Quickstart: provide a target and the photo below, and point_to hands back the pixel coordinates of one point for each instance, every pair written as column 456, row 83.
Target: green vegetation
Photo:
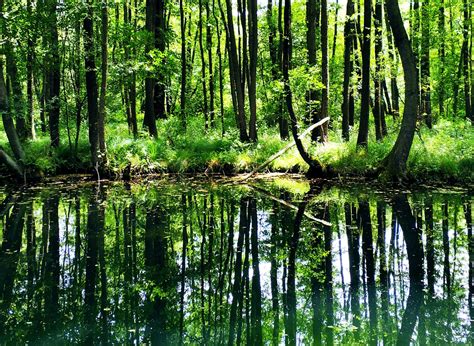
column 127, row 88
column 445, row 153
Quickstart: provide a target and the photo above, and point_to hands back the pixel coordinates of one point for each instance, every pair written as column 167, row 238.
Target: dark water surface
column 203, row 263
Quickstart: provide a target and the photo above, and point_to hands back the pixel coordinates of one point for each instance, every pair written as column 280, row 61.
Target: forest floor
column 442, row 154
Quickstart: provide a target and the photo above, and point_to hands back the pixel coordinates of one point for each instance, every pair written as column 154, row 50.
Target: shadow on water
column 200, row 263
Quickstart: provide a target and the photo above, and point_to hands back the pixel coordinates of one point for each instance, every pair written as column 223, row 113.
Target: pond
column 280, row 261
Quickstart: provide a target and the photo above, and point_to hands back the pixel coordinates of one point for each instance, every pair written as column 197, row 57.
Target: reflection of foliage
column 138, row 294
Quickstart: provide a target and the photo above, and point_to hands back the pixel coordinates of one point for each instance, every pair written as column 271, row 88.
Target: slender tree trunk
column 466, row 61
column 210, row 63
column 378, row 109
column 349, row 32
column 252, row 83
column 362, row 139
column 395, row 96
column 425, row 86
column 160, row 44
column 395, row 162
column 442, row 57
column 54, row 75
column 91, row 89
column 235, row 73
column 315, row 167
column 103, row 70
column 184, row 66
column 203, row 69
column 324, row 70
column 29, row 75
column 149, row 118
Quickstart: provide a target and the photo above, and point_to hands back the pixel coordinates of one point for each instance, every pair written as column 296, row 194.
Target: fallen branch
column 289, row 205
column 285, row 149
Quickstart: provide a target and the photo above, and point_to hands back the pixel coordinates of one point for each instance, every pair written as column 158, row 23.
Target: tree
column 53, row 79
column 362, row 138
column 395, row 161
column 347, row 93
column 149, row 120
column 95, row 120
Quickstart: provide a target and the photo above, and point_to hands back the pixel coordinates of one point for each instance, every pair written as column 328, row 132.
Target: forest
column 126, row 88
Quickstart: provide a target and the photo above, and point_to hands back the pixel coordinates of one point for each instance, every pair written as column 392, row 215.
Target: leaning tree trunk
column 314, row 166
column 10, row 130
column 395, row 162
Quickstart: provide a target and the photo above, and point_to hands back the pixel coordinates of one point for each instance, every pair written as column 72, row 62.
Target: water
column 192, row 262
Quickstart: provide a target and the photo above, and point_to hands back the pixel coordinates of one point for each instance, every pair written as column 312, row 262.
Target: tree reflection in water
column 209, row 264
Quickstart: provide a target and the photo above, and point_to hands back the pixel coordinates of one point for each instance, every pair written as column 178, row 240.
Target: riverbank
column 444, row 154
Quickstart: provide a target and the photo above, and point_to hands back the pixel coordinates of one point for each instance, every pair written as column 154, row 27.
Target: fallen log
column 285, row 149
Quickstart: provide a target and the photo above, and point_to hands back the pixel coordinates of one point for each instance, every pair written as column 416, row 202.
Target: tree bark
column 252, row 83
column 54, row 74
column 149, row 118
column 103, row 82
column 395, row 161
column 91, row 89
column 349, row 32
column 425, row 87
column 362, row 138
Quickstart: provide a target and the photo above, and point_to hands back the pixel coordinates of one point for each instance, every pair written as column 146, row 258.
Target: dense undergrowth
column 445, row 153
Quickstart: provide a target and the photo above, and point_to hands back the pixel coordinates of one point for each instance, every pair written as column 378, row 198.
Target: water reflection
column 210, row 264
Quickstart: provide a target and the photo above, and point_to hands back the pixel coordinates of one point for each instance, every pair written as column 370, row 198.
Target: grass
column 445, row 153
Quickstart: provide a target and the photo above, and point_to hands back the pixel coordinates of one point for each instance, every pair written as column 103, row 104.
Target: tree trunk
column 103, row 82
column 211, row 66
column 203, row 69
column 314, row 166
column 324, row 70
column 466, row 62
column 362, row 138
column 183, row 63
column 91, row 88
column 349, row 32
column 252, row 83
column 442, row 58
column 395, row 162
column 149, row 118
column 378, row 110
column 54, row 75
column 425, row 93
column 235, row 74
column 160, row 44
column 29, row 76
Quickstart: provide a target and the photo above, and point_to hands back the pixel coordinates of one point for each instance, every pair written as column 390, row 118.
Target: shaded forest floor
column 443, row 154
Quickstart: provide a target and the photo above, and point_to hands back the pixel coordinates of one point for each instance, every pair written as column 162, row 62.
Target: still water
column 196, row 262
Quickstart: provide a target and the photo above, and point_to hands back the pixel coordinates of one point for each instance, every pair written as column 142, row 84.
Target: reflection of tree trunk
column 183, row 268
column 430, row 262
column 52, row 263
column 328, row 279
column 446, row 266
column 384, row 284
column 95, row 225
column 9, row 256
column 291, row 288
column 30, row 250
column 274, row 276
column 256, row 334
column 414, row 246
column 468, row 216
column 236, row 287
column 367, row 248
column 354, row 264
